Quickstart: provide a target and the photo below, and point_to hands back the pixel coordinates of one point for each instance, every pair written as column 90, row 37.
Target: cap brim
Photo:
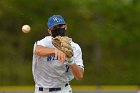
column 56, row 25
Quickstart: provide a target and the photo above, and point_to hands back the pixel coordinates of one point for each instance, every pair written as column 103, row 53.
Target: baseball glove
column 63, row 43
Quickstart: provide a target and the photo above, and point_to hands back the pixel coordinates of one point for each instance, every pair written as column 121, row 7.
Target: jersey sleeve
column 78, row 56
column 42, row 42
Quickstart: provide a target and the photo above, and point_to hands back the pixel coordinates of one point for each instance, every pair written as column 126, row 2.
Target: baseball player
column 51, row 69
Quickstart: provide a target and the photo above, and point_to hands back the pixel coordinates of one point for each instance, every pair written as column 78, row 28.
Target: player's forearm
column 77, row 71
column 43, row 51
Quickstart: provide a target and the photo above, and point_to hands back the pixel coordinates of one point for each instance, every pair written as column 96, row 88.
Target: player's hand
column 60, row 55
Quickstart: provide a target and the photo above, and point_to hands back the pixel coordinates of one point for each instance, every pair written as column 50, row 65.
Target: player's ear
column 49, row 31
column 65, row 27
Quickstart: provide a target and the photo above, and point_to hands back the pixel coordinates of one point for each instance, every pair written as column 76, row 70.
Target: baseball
column 26, row 28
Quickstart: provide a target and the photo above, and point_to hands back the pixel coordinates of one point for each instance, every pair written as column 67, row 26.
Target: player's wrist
column 70, row 61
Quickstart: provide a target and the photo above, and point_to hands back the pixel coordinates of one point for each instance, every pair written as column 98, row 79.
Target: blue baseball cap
column 55, row 20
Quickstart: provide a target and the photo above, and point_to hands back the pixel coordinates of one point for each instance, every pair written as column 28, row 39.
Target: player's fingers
column 55, row 53
column 62, row 57
column 59, row 56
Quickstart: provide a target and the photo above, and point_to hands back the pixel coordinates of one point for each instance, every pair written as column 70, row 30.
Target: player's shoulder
column 75, row 45
column 47, row 38
column 44, row 40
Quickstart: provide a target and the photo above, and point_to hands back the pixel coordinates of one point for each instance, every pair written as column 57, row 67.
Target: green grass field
column 76, row 89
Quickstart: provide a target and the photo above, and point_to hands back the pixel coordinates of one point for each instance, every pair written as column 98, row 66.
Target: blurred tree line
column 107, row 31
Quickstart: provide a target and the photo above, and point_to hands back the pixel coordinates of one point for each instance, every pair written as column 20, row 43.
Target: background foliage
column 107, row 31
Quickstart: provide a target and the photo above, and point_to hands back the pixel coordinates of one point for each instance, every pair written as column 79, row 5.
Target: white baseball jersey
column 48, row 72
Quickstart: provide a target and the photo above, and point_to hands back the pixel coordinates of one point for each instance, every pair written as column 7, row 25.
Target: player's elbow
column 79, row 77
column 38, row 51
